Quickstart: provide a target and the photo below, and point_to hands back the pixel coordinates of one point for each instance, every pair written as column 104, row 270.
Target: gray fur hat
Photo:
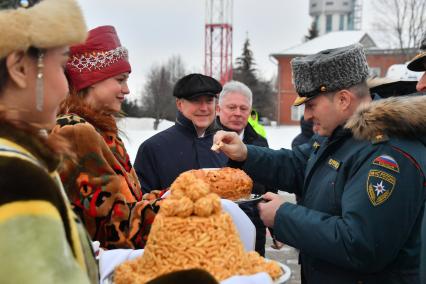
column 329, row 70
column 418, row 62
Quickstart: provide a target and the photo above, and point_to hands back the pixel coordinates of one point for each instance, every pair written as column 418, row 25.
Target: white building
column 336, row 15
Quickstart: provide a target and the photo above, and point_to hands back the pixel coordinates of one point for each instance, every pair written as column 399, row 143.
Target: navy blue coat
column 361, row 207
column 161, row 158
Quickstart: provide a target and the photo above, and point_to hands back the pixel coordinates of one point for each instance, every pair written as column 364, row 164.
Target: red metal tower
column 218, row 40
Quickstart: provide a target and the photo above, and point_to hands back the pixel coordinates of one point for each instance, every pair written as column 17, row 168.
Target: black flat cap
column 194, row 85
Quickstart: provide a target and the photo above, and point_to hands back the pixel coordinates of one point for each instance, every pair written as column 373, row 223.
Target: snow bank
column 137, row 130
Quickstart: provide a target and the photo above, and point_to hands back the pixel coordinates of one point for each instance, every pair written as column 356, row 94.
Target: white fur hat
column 40, row 24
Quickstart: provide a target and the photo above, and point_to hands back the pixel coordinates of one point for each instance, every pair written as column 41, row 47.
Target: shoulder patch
column 380, row 186
column 387, row 162
column 69, row 119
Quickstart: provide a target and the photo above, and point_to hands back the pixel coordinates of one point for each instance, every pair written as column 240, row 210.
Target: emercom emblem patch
column 380, row 186
column 387, row 162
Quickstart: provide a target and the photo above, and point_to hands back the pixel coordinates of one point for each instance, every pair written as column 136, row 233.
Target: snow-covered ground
column 137, row 130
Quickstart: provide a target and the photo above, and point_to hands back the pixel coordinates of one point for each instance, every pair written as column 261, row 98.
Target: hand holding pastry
column 230, row 144
column 216, row 146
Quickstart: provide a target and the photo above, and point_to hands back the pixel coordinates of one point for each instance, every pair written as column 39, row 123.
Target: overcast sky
column 154, row 30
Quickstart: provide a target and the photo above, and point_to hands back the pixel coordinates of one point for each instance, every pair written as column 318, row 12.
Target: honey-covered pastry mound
column 228, row 183
column 192, row 231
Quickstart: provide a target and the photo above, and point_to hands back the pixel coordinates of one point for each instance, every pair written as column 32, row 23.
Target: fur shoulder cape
column 403, row 117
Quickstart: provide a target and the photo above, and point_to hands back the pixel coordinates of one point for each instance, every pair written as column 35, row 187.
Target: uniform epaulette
column 379, row 138
column 69, row 119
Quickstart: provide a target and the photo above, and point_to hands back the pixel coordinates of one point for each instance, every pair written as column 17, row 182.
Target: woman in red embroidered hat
column 101, row 182
column 41, row 239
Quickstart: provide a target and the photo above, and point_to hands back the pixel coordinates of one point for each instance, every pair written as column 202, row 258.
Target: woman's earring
column 39, row 83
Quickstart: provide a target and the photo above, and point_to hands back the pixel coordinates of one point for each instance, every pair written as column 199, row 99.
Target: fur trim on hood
column 394, row 116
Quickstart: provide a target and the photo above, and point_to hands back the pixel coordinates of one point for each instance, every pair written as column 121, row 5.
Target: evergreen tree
column 312, row 32
column 245, row 65
column 245, row 71
column 131, row 108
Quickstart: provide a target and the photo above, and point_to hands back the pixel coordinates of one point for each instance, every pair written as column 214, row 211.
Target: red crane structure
column 218, row 40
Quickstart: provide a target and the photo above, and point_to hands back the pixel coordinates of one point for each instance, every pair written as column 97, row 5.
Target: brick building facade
column 378, row 59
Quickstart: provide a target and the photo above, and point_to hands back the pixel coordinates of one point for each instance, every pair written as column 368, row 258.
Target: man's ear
column 179, row 104
column 344, row 99
column 217, row 109
column 17, row 64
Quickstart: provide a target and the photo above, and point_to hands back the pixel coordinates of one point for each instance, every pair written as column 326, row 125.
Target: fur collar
column 403, row 117
column 102, row 121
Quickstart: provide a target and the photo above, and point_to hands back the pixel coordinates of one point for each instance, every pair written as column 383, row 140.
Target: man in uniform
column 361, row 183
column 418, row 64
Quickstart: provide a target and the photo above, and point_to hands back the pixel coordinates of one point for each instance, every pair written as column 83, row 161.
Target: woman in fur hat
column 41, row 239
column 101, row 182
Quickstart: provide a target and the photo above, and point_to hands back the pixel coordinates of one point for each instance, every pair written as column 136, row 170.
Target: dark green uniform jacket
column 362, row 204
column 423, row 260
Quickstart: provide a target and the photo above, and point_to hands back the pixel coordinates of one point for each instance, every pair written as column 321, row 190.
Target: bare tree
column 157, row 99
column 402, row 21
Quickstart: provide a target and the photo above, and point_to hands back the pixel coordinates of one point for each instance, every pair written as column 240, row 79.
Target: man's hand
column 230, row 144
column 268, row 209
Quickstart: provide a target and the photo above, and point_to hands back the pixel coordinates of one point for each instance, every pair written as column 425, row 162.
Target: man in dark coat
column 185, row 145
column 362, row 183
column 418, row 64
column 235, row 103
column 306, row 133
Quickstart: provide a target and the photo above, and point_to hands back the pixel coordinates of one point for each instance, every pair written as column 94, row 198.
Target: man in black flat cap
column 185, row 145
column 362, row 182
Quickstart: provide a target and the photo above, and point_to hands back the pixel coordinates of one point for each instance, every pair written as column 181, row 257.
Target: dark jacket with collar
column 164, row 156
column 305, row 135
column 362, row 193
